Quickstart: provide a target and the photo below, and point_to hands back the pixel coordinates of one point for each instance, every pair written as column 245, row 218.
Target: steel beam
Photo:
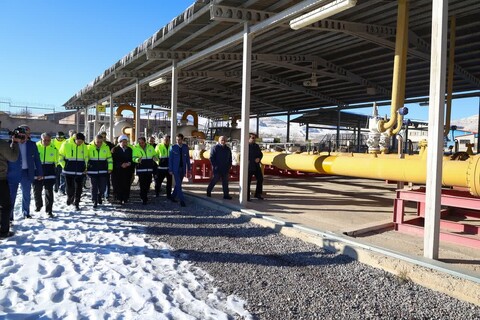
column 296, row 87
column 235, row 14
column 374, row 33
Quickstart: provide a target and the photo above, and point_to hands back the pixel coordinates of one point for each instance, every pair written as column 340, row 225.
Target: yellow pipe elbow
column 399, row 66
column 193, row 114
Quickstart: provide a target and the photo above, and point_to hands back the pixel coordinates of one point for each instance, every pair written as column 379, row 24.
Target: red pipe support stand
column 460, row 216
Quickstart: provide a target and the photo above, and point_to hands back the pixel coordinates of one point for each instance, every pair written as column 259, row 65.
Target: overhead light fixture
column 322, row 13
column 157, row 82
column 425, row 103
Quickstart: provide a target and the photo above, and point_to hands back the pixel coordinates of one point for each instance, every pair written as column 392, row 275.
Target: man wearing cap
column 122, row 156
column 8, row 152
column 73, row 158
column 59, row 177
column 23, row 172
column 49, row 158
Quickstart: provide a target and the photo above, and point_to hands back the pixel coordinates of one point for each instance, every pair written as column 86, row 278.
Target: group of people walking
column 61, row 165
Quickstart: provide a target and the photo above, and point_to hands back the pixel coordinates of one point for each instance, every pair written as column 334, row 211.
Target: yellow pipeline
column 399, row 66
column 403, row 75
column 451, row 66
column 455, row 173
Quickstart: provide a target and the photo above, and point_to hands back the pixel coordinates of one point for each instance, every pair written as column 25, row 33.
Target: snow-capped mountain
column 467, row 124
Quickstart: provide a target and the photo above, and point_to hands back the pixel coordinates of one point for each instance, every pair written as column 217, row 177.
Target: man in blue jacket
column 24, row 171
column 178, row 166
column 221, row 160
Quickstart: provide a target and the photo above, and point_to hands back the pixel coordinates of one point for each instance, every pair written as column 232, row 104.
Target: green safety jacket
column 147, row 164
column 73, row 158
column 163, row 152
column 58, row 143
column 99, row 159
column 48, row 158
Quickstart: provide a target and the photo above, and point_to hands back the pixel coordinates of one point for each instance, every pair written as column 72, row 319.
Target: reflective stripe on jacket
column 146, row 165
column 163, row 152
column 99, row 159
column 73, row 158
column 48, row 158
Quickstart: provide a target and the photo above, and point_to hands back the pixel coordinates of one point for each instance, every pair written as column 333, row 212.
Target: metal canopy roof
column 331, row 118
column 351, row 54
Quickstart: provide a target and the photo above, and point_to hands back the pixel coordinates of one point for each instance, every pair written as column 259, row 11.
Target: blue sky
column 51, row 49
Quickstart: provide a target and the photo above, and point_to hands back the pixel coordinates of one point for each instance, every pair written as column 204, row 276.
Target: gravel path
column 286, row 278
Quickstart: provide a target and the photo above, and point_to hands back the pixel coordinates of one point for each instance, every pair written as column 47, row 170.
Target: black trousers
column 216, row 177
column 38, row 186
column 98, row 184
column 74, row 186
column 145, row 180
column 121, row 182
column 59, row 179
column 161, row 175
column 259, row 176
column 6, row 205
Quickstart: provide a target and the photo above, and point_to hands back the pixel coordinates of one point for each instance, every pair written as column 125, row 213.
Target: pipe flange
column 473, row 176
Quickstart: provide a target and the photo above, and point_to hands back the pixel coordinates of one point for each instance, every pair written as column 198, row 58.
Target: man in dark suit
column 24, row 171
column 255, row 155
column 221, row 160
column 123, row 167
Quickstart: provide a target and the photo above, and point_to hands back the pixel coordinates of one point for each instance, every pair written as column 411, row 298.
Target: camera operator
column 8, row 152
column 24, row 171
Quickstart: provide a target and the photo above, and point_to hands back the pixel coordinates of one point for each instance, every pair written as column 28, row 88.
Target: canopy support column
column 138, row 104
column 435, row 129
column 87, row 125
column 288, row 127
column 110, row 121
column 174, row 101
column 246, row 88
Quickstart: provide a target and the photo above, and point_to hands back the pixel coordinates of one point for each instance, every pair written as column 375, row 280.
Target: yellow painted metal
column 399, row 66
column 451, row 66
column 455, row 173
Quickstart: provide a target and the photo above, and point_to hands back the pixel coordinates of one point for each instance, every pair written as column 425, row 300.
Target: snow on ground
column 94, row 265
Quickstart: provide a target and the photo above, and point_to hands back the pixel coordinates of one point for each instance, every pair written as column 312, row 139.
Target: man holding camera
column 8, row 152
column 24, row 170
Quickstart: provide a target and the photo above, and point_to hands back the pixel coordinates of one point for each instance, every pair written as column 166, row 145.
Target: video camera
column 18, row 133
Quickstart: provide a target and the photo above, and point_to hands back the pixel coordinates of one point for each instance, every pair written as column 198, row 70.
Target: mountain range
column 467, row 124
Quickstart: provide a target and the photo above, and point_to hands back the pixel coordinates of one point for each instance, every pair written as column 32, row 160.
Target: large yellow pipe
column 399, row 65
column 455, row 173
